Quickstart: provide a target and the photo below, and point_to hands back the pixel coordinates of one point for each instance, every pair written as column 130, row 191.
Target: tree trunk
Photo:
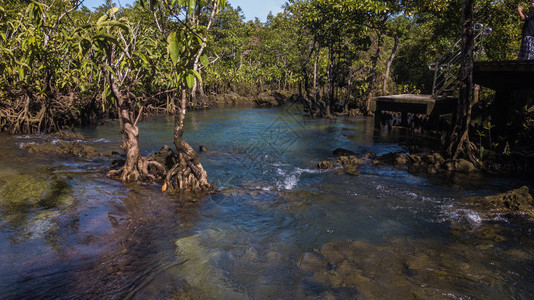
column 316, row 76
column 308, row 98
column 459, row 137
column 330, row 100
column 196, row 64
column 349, row 92
column 188, row 173
column 388, row 64
column 136, row 167
column 372, row 79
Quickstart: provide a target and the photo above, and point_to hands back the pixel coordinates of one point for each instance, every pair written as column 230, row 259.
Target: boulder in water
column 465, row 166
column 324, row 165
column 166, row 157
column 514, row 202
column 350, row 164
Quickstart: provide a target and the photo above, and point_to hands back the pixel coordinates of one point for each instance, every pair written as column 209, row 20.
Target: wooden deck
column 409, row 103
column 504, row 75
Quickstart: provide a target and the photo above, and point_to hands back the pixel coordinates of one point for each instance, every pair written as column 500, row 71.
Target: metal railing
column 446, row 67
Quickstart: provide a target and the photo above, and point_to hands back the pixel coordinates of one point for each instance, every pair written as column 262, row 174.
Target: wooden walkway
column 409, row 103
column 504, row 75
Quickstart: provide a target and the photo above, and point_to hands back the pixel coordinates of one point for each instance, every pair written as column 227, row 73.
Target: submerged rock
column 398, row 269
column 30, row 202
column 42, row 188
column 63, row 148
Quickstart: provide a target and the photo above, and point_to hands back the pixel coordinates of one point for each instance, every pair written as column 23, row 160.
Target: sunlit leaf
column 197, row 75
column 190, row 79
column 173, row 47
column 204, row 60
column 191, row 7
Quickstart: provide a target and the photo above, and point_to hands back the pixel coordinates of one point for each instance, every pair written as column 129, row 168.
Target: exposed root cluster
column 145, row 170
column 187, row 175
column 33, row 114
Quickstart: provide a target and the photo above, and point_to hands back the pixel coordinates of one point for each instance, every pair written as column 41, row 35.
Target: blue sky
column 251, row 8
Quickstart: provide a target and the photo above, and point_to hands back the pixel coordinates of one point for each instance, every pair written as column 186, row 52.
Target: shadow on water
column 277, row 227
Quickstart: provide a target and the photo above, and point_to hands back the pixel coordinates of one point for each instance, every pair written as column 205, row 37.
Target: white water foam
column 291, row 178
column 457, row 215
column 21, row 145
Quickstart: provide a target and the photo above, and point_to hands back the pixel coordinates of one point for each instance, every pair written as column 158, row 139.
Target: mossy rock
column 324, row 165
column 20, row 191
column 465, row 166
column 63, row 148
column 518, row 201
column 69, row 135
column 350, row 164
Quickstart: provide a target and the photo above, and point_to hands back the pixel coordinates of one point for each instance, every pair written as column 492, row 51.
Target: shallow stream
column 277, row 228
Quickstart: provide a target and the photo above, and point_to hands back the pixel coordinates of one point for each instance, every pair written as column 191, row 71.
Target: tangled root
column 185, row 175
column 145, row 171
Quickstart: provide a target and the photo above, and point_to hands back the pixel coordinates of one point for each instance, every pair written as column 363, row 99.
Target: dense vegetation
column 63, row 65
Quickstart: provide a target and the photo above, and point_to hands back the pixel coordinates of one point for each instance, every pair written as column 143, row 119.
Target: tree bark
column 459, row 137
column 188, row 174
column 196, row 64
column 388, row 64
column 372, row 79
column 136, row 167
column 330, row 100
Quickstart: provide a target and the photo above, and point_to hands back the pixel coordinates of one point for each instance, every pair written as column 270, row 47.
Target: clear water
column 66, row 231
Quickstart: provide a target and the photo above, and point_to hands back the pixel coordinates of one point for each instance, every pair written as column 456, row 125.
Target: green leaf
column 113, row 11
column 204, row 60
column 113, row 23
column 107, row 100
column 173, row 47
column 21, row 74
column 197, row 75
column 109, row 69
column 190, row 79
column 191, row 7
column 144, row 58
column 105, row 36
column 102, row 20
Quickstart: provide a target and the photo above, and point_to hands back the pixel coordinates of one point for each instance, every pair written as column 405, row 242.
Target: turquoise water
column 66, row 231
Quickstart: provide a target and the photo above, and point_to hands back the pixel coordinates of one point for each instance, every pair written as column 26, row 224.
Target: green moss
column 42, row 189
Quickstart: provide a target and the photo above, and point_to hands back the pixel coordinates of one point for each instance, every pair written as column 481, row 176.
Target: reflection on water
column 277, row 228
